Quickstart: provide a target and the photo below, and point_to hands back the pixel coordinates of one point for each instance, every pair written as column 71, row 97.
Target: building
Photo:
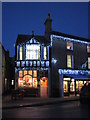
column 55, row 64
column 7, row 69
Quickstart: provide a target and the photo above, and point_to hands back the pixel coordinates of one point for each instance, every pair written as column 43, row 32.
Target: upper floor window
column 69, row 61
column 20, row 53
column 45, row 53
column 32, row 52
column 88, row 48
column 69, row 45
column 88, row 62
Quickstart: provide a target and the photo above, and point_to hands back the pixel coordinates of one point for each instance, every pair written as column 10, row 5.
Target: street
column 64, row 110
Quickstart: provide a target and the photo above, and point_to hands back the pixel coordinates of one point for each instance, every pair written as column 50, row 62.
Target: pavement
column 7, row 103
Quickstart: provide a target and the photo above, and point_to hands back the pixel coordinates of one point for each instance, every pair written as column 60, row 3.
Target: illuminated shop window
column 20, row 53
column 30, row 72
column 88, row 48
column 65, row 86
column 25, row 72
column 20, row 82
column 44, row 53
column 35, row 73
column 27, row 81
column 72, row 87
column 88, row 62
column 35, row 82
column 69, row 45
column 32, row 52
column 20, row 73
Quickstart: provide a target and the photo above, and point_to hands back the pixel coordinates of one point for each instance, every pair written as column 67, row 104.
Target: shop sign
column 76, row 72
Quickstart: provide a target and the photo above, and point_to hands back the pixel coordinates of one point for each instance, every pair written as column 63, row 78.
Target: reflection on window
column 88, row 48
column 69, row 45
column 45, row 53
column 88, row 62
column 69, row 61
column 32, row 52
column 20, row 53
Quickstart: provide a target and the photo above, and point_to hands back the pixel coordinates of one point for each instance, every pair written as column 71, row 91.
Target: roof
column 25, row 38
column 70, row 36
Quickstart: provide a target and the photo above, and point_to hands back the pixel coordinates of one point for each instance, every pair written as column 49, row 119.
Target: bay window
column 32, row 52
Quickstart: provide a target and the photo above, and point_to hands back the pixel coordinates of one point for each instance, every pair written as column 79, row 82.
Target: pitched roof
column 70, row 36
column 25, row 38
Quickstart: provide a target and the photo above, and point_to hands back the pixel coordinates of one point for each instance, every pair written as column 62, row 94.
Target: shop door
column 44, row 87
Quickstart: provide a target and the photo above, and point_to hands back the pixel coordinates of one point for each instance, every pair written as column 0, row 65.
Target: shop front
column 72, row 83
column 32, row 80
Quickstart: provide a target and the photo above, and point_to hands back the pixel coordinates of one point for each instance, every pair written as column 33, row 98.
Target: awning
column 78, row 76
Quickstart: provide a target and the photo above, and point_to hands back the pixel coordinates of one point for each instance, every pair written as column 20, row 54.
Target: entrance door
column 44, row 87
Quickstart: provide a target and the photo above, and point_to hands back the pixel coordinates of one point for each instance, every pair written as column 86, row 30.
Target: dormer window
column 69, row 45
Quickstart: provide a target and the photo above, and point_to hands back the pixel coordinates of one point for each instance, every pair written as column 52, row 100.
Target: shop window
column 20, row 53
column 69, row 45
column 30, row 72
column 20, row 82
column 20, row 73
column 35, row 82
column 65, row 86
column 44, row 53
column 88, row 62
column 72, row 87
column 69, row 61
column 88, row 48
column 35, row 73
column 27, row 81
column 32, row 52
column 25, row 72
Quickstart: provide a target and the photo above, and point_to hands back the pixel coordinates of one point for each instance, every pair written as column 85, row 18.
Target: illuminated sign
column 76, row 72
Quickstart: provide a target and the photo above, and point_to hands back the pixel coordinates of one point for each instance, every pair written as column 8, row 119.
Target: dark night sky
column 22, row 18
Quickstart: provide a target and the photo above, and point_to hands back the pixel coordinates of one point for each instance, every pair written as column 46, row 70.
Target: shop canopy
column 78, row 76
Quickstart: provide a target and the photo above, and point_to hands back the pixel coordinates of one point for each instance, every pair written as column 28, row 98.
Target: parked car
column 85, row 94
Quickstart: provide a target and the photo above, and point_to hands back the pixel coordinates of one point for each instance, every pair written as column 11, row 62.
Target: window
column 20, row 53
column 88, row 62
column 45, row 53
column 29, row 79
column 69, row 61
column 32, row 52
column 88, row 48
column 20, row 73
column 69, row 45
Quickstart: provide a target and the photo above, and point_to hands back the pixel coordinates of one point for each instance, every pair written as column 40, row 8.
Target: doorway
column 44, row 87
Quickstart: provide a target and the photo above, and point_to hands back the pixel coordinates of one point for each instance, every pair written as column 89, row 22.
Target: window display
column 65, row 86
column 29, row 79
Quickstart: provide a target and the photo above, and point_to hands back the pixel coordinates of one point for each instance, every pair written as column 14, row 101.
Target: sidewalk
column 7, row 103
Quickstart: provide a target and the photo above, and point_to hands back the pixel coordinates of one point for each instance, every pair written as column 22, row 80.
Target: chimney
column 48, row 27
